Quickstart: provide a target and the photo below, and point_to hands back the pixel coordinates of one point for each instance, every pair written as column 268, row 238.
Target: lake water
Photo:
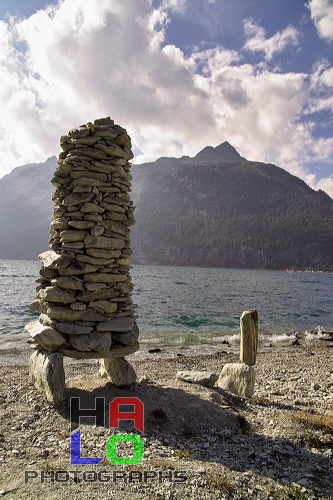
column 187, row 305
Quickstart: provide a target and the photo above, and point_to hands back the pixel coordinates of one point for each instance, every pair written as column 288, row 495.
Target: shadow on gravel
column 207, row 425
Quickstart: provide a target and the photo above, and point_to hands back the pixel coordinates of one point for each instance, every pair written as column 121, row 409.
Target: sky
column 179, row 75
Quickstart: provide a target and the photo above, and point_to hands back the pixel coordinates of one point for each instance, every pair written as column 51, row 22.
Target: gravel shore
column 199, row 442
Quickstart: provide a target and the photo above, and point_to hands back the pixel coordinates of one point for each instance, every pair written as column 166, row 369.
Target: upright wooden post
column 249, row 337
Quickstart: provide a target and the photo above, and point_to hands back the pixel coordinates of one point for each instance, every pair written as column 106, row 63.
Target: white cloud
column 326, row 185
column 84, row 59
column 322, row 76
column 91, row 58
column 321, row 83
column 323, row 148
column 322, row 16
column 257, row 41
column 174, row 5
column 327, row 77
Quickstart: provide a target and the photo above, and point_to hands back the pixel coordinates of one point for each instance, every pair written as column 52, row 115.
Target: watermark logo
column 104, row 476
column 115, row 416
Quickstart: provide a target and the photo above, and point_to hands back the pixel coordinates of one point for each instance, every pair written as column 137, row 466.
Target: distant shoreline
column 169, row 352
column 136, row 263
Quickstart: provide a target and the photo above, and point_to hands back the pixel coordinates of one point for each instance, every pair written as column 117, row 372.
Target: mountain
column 25, row 210
column 216, row 209
column 229, row 212
column 147, row 176
column 223, row 152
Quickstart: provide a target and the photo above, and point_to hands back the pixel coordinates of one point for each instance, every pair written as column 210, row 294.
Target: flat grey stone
column 54, row 260
column 93, row 315
column 73, row 328
column 67, row 283
column 103, row 306
column 72, row 235
column 103, row 242
column 64, row 313
column 56, row 294
column 127, row 338
column 93, row 260
column 36, row 306
column 77, row 198
column 99, row 253
column 99, row 294
column 116, row 351
column 81, row 224
column 116, row 325
column 44, row 334
column 95, row 341
column 105, row 278
column 195, row 377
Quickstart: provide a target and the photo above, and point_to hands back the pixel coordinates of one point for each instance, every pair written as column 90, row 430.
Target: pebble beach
column 199, row 442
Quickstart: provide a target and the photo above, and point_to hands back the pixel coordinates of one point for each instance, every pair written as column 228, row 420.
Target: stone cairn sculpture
column 239, row 378
column 84, row 291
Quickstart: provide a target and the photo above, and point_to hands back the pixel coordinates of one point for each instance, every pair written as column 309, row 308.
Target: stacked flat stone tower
column 84, row 291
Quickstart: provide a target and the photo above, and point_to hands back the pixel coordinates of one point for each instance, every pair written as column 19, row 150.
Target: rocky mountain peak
column 223, row 152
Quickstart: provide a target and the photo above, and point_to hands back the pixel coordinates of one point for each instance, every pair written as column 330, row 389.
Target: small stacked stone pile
column 239, row 378
column 84, row 292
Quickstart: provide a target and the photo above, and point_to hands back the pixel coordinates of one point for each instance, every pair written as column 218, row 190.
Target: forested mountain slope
column 216, row 209
column 230, row 214
column 26, row 210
